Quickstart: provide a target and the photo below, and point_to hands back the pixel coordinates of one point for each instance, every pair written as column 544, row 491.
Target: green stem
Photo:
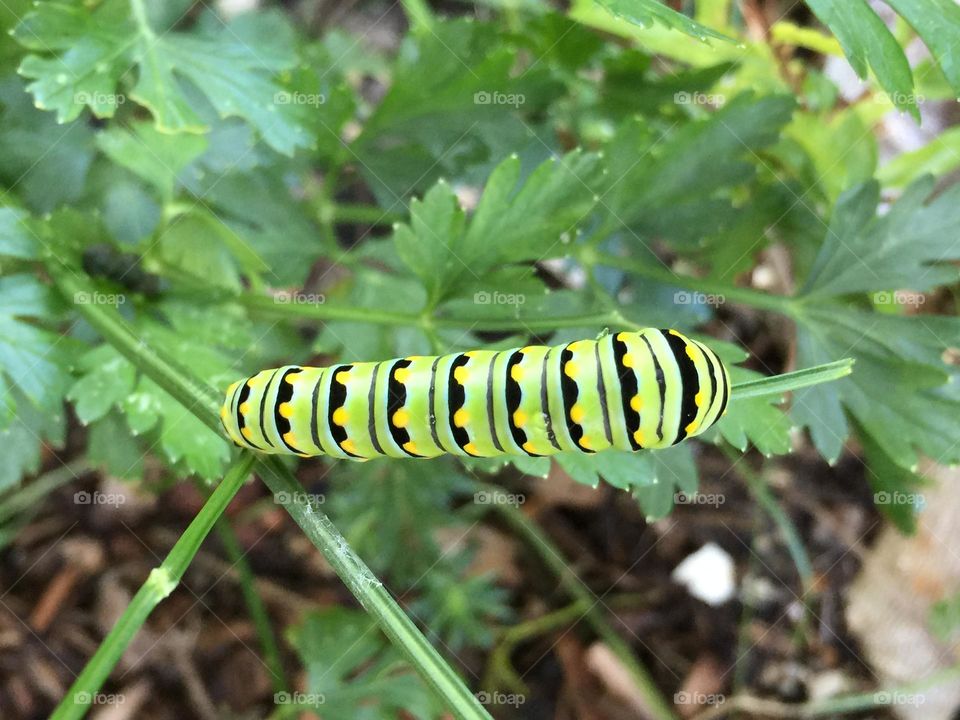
column 255, row 606
column 419, row 14
column 202, row 401
column 779, row 384
column 31, row 494
column 574, row 586
column 159, row 584
column 765, row 498
column 365, row 214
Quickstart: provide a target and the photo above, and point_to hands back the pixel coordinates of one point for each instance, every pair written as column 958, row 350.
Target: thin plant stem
column 255, row 606
column 593, row 613
column 159, row 584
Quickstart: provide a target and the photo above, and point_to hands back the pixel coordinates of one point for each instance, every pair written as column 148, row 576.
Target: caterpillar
column 629, row 390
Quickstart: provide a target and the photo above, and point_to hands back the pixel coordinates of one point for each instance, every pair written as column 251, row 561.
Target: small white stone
column 708, row 574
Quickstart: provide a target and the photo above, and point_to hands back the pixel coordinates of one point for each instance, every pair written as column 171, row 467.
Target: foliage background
column 309, row 183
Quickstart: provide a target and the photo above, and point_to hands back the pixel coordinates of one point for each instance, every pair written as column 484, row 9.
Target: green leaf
column 909, row 247
column 154, row 156
column 16, row 238
column 937, row 22
column 646, row 12
column 24, row 438
column 351, row 672
column 868, row 43
column 232, row 66
column 105, row 382
column 514, row 221
column 938, row 157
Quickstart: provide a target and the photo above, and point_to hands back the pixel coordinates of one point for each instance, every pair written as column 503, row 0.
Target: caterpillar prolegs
column 629, row 390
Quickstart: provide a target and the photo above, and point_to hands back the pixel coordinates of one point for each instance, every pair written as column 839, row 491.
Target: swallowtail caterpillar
column 628, row 390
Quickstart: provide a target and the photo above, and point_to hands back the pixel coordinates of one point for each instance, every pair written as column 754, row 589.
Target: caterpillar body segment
column 629, row 390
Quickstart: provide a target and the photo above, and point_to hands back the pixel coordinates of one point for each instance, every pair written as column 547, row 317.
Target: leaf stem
column 159, row 584
column 779, row 384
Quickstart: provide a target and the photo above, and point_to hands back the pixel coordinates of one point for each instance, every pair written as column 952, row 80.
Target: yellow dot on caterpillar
column 471, row 449
column 516, row 372
column 342, row 377
column 578, row 345
column 691, row 428
column 247, row 433
column 461, row 417
column 519, row 418
column 223, row 412
column 401, row 375
column 290, row 439
column 349, row 446
column 577, row 413
column 628, row 360
column 674, row 332
column 292, row 377
column 244, row 407
column 461, row 375
column 586, row 442
column 233, row 388
column 340, row 416
column 286, row 410
column 636, row 403
column 638, row 437
column 571, row 369
column 400, row 418
column 691, row 352
column 698, row 399
column 622, row 337
column 530, row 447
column 411, row 447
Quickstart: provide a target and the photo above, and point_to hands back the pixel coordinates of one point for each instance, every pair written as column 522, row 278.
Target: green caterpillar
column 629, row 390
